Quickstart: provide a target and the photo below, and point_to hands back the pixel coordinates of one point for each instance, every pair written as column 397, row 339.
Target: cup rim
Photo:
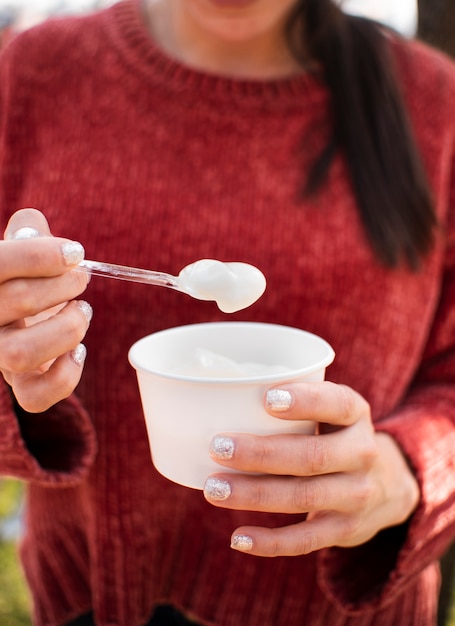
column 290, row 375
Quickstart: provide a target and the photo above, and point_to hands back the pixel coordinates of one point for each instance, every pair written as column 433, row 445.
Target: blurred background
column 430, row 20
column 17, row 15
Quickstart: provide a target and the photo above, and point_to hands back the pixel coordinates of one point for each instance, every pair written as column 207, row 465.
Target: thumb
column 26, row 224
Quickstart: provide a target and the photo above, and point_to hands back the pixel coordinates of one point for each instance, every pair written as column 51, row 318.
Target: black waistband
column 163, row 616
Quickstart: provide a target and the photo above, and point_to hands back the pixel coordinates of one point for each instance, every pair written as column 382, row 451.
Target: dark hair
column 372, row 128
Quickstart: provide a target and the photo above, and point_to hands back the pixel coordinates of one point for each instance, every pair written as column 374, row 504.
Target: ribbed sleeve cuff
column 56, row 447
column 375, row 573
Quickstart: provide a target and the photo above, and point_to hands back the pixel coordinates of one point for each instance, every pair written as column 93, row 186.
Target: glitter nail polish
column 217, row 489
column 73, row 252
column 26, row 232
column 278, row 400
column 222, row 448
column 244, row 543
column 78, row 354
column 86, row 309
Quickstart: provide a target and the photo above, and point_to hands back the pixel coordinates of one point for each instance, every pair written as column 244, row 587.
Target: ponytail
column 371, row 127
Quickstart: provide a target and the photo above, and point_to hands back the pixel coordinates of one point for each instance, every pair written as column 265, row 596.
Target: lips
column 232, row 4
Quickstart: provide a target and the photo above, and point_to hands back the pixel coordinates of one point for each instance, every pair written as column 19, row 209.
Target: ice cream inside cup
column 204, row 363
column 199, row 380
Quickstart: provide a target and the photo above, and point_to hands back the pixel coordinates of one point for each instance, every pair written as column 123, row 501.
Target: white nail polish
column 26, row 232
column 217, row 489
column 244, row 543
column 73, row 252
column 222, row 448
column 78, row 354
column 278, row 400
column 86, row 309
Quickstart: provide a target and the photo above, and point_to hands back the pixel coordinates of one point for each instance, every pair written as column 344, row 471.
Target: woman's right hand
column 41, row 325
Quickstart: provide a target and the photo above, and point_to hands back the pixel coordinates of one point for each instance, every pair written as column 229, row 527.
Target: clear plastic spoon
column 133, row 274
column 234, row 286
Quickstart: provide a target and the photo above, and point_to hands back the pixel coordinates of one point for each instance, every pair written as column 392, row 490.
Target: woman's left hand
column 352, row 481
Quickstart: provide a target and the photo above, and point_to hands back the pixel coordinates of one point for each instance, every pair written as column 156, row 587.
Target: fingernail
column 217, row 489
column 244, row 543
column 222, row 448
column 278, row 400
column 86, row 309
column 78, row 354
column 73, row 252
column 26, row 232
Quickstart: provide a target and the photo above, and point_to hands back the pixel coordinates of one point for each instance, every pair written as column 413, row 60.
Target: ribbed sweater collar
column 126, row 25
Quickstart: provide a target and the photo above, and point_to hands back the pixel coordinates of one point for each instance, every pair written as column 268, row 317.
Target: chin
column 231, row 20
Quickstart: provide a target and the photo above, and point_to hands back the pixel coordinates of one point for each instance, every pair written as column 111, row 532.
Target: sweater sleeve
column 375, row 573
column 56, row 447
column 53, row 448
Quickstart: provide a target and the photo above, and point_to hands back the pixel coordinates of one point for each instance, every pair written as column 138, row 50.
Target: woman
column 319, row 148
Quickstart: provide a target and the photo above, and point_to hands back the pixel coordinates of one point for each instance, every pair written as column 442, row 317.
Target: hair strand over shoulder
column 371, row 126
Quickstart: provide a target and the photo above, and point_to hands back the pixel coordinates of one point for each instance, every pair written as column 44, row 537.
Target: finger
column 323, row 402
column 41, row 256
column 28, row 221
column 25, row 349
column 37, row 392
column 29, row 224
column 274, row 494
column 293, row 540
column 330, row 529
column 347, row 450
column 25, row 297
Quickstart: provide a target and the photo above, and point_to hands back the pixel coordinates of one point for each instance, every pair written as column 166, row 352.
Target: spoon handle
column 133, row 274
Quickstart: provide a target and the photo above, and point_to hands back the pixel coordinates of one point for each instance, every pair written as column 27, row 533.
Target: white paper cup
column 184, row 412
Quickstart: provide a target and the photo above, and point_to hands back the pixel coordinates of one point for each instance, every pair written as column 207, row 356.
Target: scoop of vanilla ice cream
column 234, row 286
column 207, row 364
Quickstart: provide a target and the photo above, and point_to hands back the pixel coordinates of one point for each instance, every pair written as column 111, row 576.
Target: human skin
column 352, row 481
column 40, row 357
column 246, row 41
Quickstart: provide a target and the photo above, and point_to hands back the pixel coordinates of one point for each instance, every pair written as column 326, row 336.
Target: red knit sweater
column 152, row 164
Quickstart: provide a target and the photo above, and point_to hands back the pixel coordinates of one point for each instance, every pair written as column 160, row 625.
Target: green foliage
column 10, row 495
column 14, row 599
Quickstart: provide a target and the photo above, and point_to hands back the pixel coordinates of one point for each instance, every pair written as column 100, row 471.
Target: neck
column 256, row 55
